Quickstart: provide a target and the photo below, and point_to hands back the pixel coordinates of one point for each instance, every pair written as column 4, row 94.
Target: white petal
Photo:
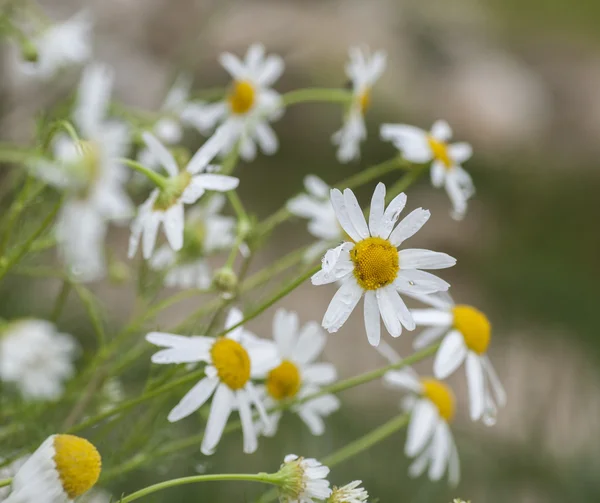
column 388, row 313
column 179, row 355
column 266, row 138
column 476, row 386
column 457, row 196
column 432, row 317
column 177, row 341
column 233, row 65
column 415, row 258
column 336, row 265
column 372, row 322
column 271, row 71
column 440, row 451
column 158, row 150
column 391, row 215
column 441, row 131
column 311, row 342
column 355, row 213
column 403, row 380
column 316, row 187
column 339, row 206
column 222, row 405
column 377, row 209
column 421, row 427
column 315, row 424
column 497, row 388
column 194, row 399
column 410, row 140
column 460, row 152
column 438, row 173
column 427, row 336
column 453, row 465
column 418, row 467
column 285, row 330
column 409, row 226
column 208, row 151
column 255, row 398
column 320, row 373
column 150, row 233
column 248, row 431
column 342, row 304
column 93, row 97
column 254, row 57
column 418, row 283
column 450, row 356
column 173, row 224
column 220, row 183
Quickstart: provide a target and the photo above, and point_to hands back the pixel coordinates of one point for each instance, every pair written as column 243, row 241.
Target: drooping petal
column 450, row 356
column 438, row 173
column 496, row 385
column 388, row 313
column 372, row 321
column 428, row 336
column 194, row 399
column 421, row 427
column 342, row 304
column 476, row 382
column 248, row 431
column 315, row 423
column 220, row 410
column 266, row 137
column 150, row 232
column 440, row 451
column 173, row 222
column 310, row 344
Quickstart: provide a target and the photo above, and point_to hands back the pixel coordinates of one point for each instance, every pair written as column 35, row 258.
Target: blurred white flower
column 165, row 205
column 89, row 171
column 371, row 264
column 232, row 361
column 298, row 375
column 350, row 493
column 249, row 105
column 60, row 45
column 206, row 232
column 316, row 206
column 363, row 70
column 36, row 358
column 467, row 334
column 304, row 480
column 419, row 146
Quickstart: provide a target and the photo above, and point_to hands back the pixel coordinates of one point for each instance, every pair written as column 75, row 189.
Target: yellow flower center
column 376, row 263
column 441, row 396
column 474, row 326
column 440, row 151
column 232, row 362
column 171, row 194
column 284, row 381
column 241, row 97
column 364, row 100
column 78, row 464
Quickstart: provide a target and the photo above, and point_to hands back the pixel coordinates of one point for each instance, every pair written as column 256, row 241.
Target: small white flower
column 61, row 469
column 298, row 375
column 90, row 173
column 231, row 363
column 316, row 206
column 350, row 493
column 467, row 334
column 207, row 232
column 61, row 45
column 165, row 205
column 429, row 439
column 371, row 264
column 446, row 160
column 168, row 128
column 249, row 106
column 304, row 480
column 37, row 358
column 363, row 70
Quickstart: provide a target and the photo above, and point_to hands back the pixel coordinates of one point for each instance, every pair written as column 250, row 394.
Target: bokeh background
column 520, row 80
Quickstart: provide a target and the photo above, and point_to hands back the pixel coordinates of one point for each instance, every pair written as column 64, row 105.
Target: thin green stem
column 160, row 181
column 61, row 300
column 68, row 127
column 264, row 478
column 316, row 95
column 10, row 154
column 5, row 482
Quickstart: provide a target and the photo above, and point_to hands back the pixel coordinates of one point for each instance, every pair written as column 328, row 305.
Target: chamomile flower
column 63, row 468
column 36, row 358
column 165, row 204
column 58, row 46
column 206, row 232
column 316, row 206
column 371, row 264
column 250, row 104
column 304, row 480
column 428, row 439
column 350, row 493
column 298, row 375
column 446, row 160
column 88, row 170
column 168, row 129
column 232, row 361
column 363, row 70
column 466, row 335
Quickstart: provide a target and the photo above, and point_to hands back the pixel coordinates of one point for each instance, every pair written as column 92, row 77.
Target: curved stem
column 158, row 180
column 264, row 478
column 316, row 95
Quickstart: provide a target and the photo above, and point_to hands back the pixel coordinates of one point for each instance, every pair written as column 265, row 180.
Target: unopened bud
column 226, row 281
column 29, row 51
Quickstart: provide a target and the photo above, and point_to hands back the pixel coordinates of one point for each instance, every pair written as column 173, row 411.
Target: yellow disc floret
column 440, row 151
column 364, row 100
column 474, row 327
column 284, row 381
column 442, row 397
column 78, row 464
column 232, row 362
column 376, row 263
column 241, row 97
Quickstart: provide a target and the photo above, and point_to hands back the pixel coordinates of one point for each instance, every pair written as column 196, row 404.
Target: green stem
column 264, row 478
column 12, row 154
column 5, row 482
column 316, row 95
column 160, row 181
column 61, row 300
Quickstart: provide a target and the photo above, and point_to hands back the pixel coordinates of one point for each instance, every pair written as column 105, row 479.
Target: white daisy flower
column 248, row 107
column 422, row 146
column 61, row 469
column 90, row 173
column 350, row 493
column 168, row 129
column 304, row 480
column 36, row 358
column 428, row 439
column 363, row 70
column 371, row 264
column 206, row 232
column 316, row 206
column 467, row 333
column 60, row 45
column 232, row 362
column 298, row 375
column 165, row 205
